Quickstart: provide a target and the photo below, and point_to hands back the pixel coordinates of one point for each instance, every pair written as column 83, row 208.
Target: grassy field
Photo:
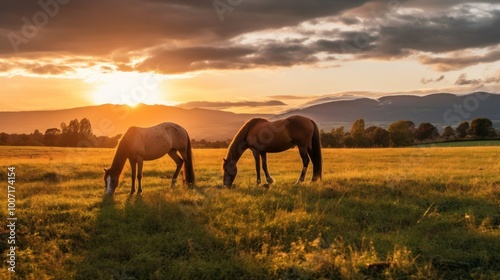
column 416, row 213
column 468, row 143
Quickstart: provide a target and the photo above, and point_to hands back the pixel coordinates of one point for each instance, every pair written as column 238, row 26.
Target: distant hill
column 441, row 109
column 114, row 119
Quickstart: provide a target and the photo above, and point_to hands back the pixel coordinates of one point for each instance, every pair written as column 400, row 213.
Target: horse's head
column 110, row 182
column 230, row 170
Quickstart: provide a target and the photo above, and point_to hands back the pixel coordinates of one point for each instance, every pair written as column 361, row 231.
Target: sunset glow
column 127, row 88
column 281, row 55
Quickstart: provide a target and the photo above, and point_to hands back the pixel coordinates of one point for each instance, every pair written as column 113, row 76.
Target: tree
column 85, row 129
column 358, row 131
column 378, row 136
column 37, row 137
column 462, row 129
column 338, row 136
column 51, row 137
column 426, row 131
column 327, row 139
column 401, row 133
column 77, row 133
column 73, row 130
column 481, row 127
column 85, row 135
column 448, row 133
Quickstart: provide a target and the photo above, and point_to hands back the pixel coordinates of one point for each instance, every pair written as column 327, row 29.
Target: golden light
column 129, row 88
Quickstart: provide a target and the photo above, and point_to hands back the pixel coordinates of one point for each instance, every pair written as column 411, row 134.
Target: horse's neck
column 119, row 160
column 236, row 150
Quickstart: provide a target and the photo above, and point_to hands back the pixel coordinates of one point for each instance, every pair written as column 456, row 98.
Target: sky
column 256, row 56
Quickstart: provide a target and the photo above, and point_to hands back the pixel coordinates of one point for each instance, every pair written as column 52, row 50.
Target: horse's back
column 154, row 142
column 300, row 128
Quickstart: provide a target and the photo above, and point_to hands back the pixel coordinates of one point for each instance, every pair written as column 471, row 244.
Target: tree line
column 399, row 134
column 75, row 134
column 404, row 133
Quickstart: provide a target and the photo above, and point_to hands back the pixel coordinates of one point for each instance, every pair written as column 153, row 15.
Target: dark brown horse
column 140, row 144
column 262, row 137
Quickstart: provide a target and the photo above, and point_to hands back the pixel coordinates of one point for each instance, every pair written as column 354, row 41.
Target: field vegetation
column 410, row 213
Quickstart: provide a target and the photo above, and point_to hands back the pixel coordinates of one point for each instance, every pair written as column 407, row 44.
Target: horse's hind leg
column 305, row 163
column 178, row 161
column 269, row 179
column 311, row 155
column 139, row 175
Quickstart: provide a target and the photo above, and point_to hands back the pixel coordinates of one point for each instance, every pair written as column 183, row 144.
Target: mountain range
column 442, row 109
column 439, row 109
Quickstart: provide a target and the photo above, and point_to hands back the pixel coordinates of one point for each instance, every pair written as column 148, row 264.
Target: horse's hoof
column 266, row 186
column 270, row 180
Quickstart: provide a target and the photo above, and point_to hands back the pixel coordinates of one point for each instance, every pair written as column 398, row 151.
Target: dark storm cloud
column 188, row 35
column 199, row 58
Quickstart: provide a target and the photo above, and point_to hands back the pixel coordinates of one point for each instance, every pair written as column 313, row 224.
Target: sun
column 128, row 88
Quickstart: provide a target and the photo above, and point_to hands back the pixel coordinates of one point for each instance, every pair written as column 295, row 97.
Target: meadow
column 409, row 213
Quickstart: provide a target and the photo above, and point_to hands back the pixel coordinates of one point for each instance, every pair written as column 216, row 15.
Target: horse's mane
column 242, row 133
column 121, row 153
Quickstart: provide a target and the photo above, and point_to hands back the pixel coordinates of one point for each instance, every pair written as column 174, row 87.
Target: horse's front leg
column 139, row 175
column 256, row 156
column 178, row 161
column 305, row 163
column 133, row 170
column 269, row 179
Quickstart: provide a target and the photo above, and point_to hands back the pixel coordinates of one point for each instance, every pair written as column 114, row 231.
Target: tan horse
column 140, row 144
column 262, row 137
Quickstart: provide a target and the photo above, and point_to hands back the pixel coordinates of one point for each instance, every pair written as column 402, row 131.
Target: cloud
column 462, row 80
column 427, row 81
column 292, row 97
column 209, row 104
column 187, row 35
column 459, row 60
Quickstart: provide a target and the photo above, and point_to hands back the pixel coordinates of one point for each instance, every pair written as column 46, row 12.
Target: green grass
column 411, row 213
column 467, row 143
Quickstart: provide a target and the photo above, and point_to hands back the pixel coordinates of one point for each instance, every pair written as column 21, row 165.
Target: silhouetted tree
column 338, row 136
column 462, row 129
column 37, row 138
column 378, row 136
column 448, row 133
column 51, row 137
column 358, row 131
column 327, row 139
column 426, row 131
column 481, row 127
column 401, row 133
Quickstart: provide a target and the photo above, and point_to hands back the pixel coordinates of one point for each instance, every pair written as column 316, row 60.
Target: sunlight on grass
column 379, row 213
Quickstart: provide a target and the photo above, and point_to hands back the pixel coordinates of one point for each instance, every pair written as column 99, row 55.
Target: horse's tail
column 188, row 164
column 316, row 157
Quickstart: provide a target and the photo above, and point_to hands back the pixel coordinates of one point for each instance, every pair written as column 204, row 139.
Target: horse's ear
column 105, row 170
column 225, row 160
